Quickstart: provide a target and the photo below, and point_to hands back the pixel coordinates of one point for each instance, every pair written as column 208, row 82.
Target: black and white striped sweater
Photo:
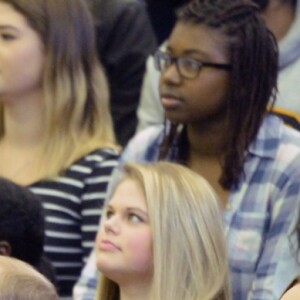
column 73, row 204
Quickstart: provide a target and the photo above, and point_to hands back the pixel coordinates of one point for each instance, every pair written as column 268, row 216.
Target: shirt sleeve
column 93, row 198
column 85, row 288
column 277, row 266
column 95, row 194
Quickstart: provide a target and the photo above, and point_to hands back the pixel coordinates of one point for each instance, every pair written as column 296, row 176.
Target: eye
column 189, row 64
column 7, row 36
column 165, row 60
column 134, row 218
column 108, row 214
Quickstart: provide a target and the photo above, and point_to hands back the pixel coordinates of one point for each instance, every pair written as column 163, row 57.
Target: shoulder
column 103, row 158
column 99, row 156
column 144, row 145
column 103, row 153
column 96, row 167
column 275, row 155
column 276, row 140
column 147, row 137
column 289, row 146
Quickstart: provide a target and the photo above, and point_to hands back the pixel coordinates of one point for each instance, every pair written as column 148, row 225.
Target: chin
column 103, row 263
column 175, row 118
column 107, row 266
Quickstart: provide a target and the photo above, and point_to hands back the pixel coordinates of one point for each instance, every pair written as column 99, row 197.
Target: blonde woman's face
column 21, row 55
column 124, row 242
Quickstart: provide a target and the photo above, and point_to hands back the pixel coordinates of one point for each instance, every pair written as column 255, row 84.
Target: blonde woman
column 162, row 237
column 56, row 135
column 20, row 281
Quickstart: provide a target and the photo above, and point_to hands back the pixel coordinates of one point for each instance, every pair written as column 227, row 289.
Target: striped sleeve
column 93, row 198
column 72, row 204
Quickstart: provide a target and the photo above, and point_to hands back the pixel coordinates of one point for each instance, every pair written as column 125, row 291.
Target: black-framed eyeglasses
column 187, row 67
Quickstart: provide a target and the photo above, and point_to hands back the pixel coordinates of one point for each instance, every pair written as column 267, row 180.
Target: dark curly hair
column 21, row 222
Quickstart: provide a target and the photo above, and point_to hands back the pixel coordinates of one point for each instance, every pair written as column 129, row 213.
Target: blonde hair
column 189, row 248
column 19, row 281
column 75, row 92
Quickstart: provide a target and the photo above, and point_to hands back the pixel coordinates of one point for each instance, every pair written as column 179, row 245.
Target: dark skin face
column 198, row 102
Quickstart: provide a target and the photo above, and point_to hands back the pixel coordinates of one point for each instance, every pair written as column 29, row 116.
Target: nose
column 171, row 75
column 112, row 225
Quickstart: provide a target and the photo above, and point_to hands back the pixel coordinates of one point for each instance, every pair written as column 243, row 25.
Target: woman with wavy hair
column 162, row 237
column 56, row 134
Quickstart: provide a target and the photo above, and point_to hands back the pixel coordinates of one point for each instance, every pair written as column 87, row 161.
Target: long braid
column 251, row 58
column 253, row 54
column 167, row 143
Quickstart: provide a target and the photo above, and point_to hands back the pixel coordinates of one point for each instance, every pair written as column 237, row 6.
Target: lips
column 170, row 101
column 106, row 245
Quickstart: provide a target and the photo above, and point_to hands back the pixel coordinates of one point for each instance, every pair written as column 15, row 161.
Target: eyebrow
column 190, row 51
column 130, row 209
column 9, row 27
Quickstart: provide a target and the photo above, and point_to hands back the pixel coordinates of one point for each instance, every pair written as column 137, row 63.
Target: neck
column 209, row 141
column 23, row 122
column 136, row 291
column 279, row 17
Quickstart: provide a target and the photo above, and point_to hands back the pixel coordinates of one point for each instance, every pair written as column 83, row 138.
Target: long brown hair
column 75, row 92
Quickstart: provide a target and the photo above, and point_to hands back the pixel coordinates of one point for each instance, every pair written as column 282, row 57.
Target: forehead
column 128, row 193
column 188, row 38
column 10, row 16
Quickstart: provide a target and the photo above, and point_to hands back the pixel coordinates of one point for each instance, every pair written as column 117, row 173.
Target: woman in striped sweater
column 56, row 134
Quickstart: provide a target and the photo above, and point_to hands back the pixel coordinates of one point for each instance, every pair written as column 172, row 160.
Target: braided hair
column 253, row 54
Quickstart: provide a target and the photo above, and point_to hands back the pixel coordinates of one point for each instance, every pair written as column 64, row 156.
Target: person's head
column 163, row 219
column 263, row 4
column 279, row 16
column 67, row 74
column 22, row 227
column 237, row 84
column 20, row 281
column 21, row 223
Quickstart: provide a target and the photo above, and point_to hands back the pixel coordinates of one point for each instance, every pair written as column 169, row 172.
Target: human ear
column 5, row 248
